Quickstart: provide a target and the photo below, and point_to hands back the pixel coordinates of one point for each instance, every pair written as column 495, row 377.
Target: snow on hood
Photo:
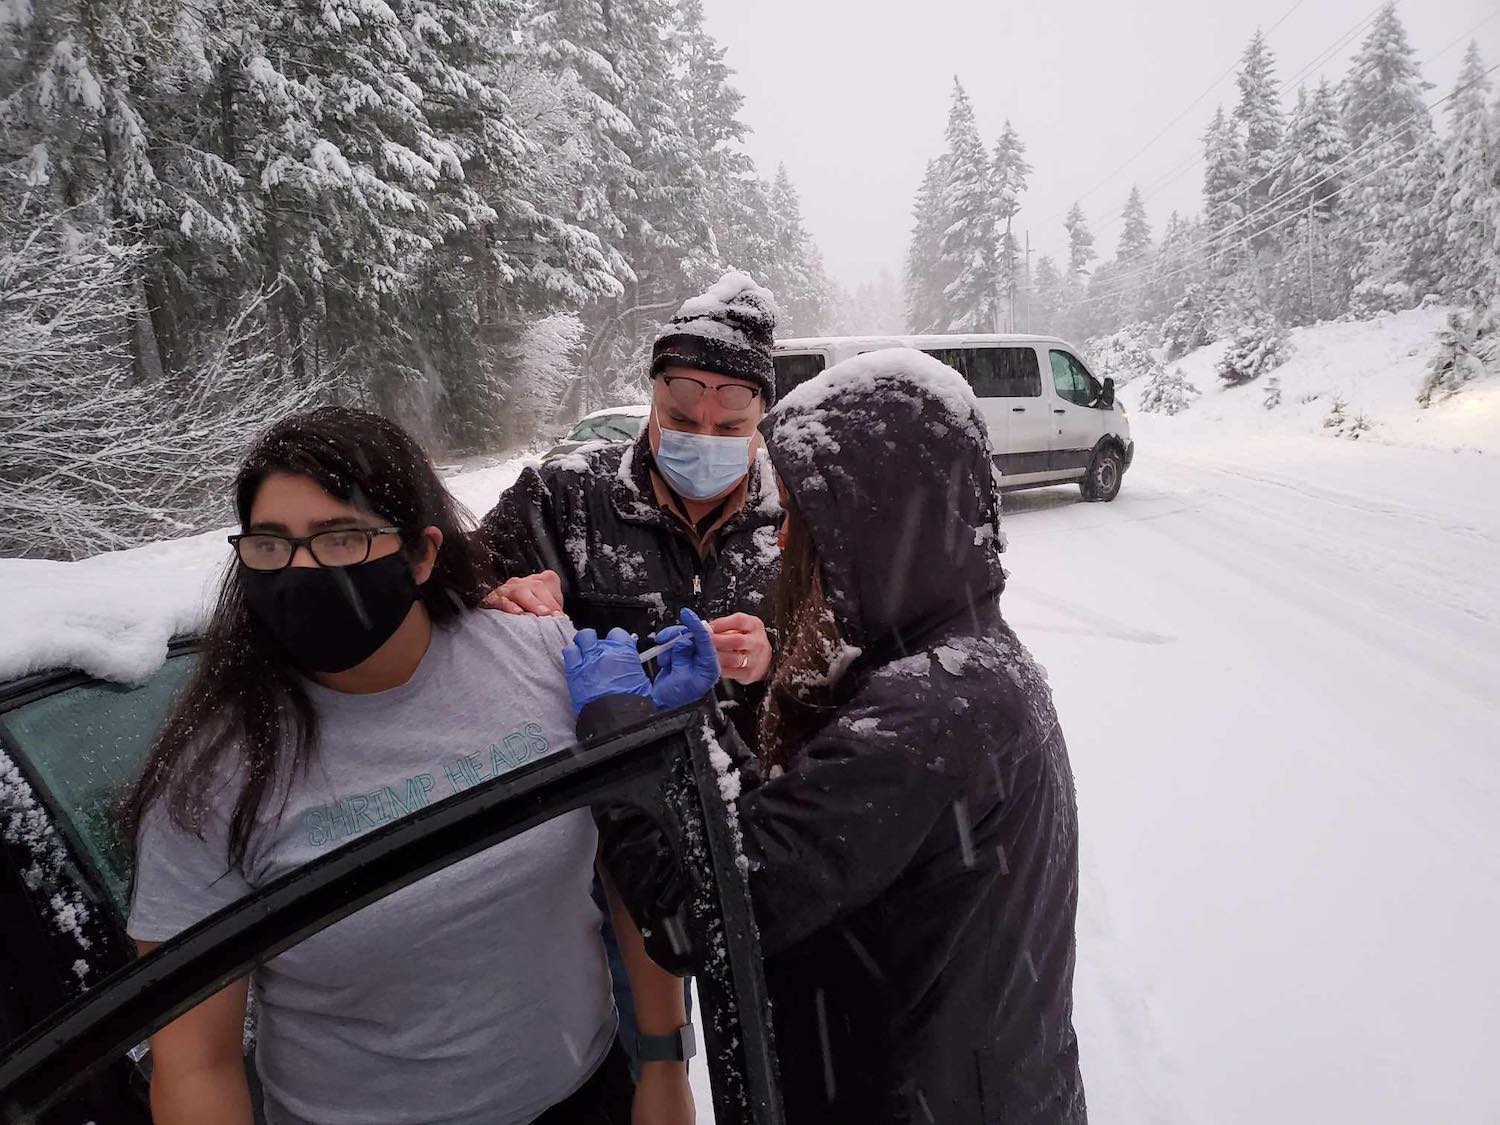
column 888, row 457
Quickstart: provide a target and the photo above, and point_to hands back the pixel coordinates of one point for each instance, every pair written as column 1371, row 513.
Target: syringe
column 656, row 650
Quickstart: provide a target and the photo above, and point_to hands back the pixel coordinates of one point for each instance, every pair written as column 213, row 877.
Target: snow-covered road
column 1277, row 668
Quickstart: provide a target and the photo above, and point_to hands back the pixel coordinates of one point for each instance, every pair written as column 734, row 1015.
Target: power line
column 1186, row 110
column 1217, row 240
column 1198, row 157
column 1244, row 242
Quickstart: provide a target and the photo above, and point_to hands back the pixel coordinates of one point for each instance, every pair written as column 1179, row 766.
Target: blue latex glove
column 596, row 668
column 688, row 671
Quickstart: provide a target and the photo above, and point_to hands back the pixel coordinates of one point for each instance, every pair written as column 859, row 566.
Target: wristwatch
column 677, row 1046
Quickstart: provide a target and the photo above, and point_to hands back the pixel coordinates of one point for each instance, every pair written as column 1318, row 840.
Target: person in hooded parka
column 910, row 819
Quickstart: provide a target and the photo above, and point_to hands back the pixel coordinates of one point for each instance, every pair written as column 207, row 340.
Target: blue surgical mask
column 698, row 466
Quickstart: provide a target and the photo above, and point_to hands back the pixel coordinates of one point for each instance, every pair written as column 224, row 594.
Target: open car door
column 662, row 767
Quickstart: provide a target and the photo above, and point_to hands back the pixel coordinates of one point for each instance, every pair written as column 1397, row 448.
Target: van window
column 794, row 369
column 1072, row 380
column 956, row 358
column 1004, row 373
column 995, row 372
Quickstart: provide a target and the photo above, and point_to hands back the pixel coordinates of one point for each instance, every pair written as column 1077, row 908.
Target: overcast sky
column 852, row 95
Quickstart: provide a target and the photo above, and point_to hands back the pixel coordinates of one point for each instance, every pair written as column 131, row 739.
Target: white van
column 1045, row 429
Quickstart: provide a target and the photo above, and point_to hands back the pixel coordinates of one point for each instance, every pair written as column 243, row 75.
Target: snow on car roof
column 114, row 614
column 635, row 411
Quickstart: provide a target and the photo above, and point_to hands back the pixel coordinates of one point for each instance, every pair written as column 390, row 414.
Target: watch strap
column 677, row 1046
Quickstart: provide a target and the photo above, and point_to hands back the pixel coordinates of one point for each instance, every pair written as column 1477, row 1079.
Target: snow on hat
column 727, row 330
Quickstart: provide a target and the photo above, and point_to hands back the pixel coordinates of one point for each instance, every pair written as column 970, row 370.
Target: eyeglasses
column 688, row 392
column 346, row 546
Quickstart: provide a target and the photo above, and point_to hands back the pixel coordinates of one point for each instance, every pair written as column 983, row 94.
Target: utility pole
column 1010, row 270
column 1312, row 290
column 1028, row 280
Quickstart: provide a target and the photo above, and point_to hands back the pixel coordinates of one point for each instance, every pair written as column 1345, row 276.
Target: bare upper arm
column 206, row 1036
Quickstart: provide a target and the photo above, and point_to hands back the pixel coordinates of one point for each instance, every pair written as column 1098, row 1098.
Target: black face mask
column 330, row 618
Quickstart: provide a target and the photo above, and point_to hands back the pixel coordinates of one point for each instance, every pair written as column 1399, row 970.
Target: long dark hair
column 796, row 706
column 246, row 706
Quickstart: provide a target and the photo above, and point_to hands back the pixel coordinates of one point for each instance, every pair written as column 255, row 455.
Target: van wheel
column 1102, row 481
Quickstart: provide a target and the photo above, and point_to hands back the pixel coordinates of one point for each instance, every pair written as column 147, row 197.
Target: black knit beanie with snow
column 727, row 330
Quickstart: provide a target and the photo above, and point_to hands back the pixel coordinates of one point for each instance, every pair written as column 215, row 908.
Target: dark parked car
column 616, row 425
column 77, row 1006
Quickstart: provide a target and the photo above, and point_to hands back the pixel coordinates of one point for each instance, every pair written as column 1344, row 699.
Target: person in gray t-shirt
column 347, row 679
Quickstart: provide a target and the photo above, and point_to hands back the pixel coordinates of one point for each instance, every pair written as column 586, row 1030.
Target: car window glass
column 795, row 369
column 1066, row 380
column 1090, row 387
column 86, row 744
column 1003, row 372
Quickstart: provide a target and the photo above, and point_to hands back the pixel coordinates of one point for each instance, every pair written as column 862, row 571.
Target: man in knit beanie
column 728, row 330
column 682, row 503
column 686, row 517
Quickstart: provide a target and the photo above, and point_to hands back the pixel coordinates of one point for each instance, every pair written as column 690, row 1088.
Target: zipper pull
column 697, row 585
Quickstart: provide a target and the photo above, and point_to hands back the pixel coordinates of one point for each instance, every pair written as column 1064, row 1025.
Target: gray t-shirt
column 479, row 995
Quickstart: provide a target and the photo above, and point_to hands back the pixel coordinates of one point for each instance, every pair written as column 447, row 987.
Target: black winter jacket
column 915, row 869
column 593, row 518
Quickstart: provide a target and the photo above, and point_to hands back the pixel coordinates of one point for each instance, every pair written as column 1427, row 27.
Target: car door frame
column 663, row 766
column 1077, row 428
column 1020, row 467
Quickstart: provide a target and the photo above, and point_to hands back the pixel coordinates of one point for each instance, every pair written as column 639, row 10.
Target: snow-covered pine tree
column 1310, row 173
column 1259, row 118
column 1076, row 311
column 1468, row 350
column 1125, row 355
column 74, row 134
column 504, row 249
column 1389, row 130
column 1470, row 193
column 1080, row 244
column 1175, row 267
column 1197, row 319
column 1010, row 174
column 875, row 307
column 796, row 278
column 1307, row 283
column 927, row 275
column 1223, row 193
column 1383, row 90
column 1049, row 294
column 1135, row 235
column 669, row 241
column 1122, row 293
column 740, row 207
column 967, row 246
column 1167, row 391
column 1258, row 346
column 570, row 39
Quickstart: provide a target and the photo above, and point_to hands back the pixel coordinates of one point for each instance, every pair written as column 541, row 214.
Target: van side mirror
column 1107, row 395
